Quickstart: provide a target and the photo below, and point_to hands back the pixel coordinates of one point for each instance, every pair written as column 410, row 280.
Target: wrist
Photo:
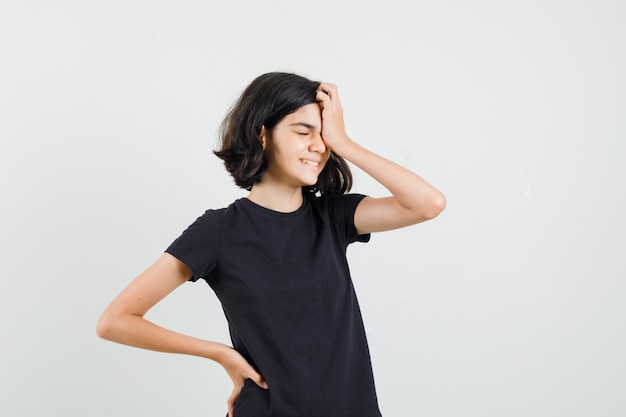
column 222, row 353
column 341, row 145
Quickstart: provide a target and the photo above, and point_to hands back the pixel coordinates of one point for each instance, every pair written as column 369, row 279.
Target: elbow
column 438, row 204
column 104, row 327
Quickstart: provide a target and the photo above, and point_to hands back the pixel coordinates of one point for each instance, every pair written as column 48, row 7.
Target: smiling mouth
column 309, row 162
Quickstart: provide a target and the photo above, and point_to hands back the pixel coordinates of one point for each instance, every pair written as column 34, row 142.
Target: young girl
column 277, row 258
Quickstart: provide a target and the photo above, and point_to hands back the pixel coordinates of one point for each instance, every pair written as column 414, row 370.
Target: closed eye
column 302, row 125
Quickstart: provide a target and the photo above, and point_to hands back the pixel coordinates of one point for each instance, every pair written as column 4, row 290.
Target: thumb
column 259, row 380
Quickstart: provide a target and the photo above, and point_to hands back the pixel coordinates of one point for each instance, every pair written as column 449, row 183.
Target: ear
column 263, row 136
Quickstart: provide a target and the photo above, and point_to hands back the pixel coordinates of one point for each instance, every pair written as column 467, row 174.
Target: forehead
column 307, row 115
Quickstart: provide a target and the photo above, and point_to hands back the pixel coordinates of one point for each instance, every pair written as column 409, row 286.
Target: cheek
column 300, row 147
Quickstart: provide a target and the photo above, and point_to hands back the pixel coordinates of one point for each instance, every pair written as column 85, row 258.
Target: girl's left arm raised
column 412, row 200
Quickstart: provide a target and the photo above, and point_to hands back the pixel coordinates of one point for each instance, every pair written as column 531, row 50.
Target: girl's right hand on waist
column 238, row 369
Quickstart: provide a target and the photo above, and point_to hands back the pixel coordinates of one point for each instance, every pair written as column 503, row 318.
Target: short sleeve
column 197, row 246
column 343, row 209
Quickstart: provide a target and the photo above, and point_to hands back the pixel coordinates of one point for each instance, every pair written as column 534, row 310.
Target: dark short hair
column 265, row 102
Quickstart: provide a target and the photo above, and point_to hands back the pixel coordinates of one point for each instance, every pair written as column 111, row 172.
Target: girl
column 277, row 258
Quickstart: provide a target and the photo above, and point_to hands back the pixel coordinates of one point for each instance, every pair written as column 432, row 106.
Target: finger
column 323, row 100
column 259, row 380
column 232, row 399
column 329, row 89
column 322, row 96
column 231, row 403
column 328, row 94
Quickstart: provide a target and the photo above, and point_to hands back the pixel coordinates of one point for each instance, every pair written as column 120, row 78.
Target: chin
column 309, row 182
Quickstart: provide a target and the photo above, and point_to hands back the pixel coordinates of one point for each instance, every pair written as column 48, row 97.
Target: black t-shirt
column 285, row 287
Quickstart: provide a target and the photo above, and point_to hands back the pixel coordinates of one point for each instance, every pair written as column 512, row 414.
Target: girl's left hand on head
column 333, row 128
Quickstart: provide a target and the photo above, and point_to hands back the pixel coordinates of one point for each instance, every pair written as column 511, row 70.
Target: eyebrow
column 303, row 124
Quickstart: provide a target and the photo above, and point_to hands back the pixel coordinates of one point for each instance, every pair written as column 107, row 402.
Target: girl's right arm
column 123, row 322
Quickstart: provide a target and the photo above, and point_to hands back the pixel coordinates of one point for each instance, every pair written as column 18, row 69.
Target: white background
column 511, row 303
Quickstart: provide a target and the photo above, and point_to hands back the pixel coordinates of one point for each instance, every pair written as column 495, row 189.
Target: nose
column 317, row 144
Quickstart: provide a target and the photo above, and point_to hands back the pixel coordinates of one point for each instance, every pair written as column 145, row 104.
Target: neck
column 281, row 199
